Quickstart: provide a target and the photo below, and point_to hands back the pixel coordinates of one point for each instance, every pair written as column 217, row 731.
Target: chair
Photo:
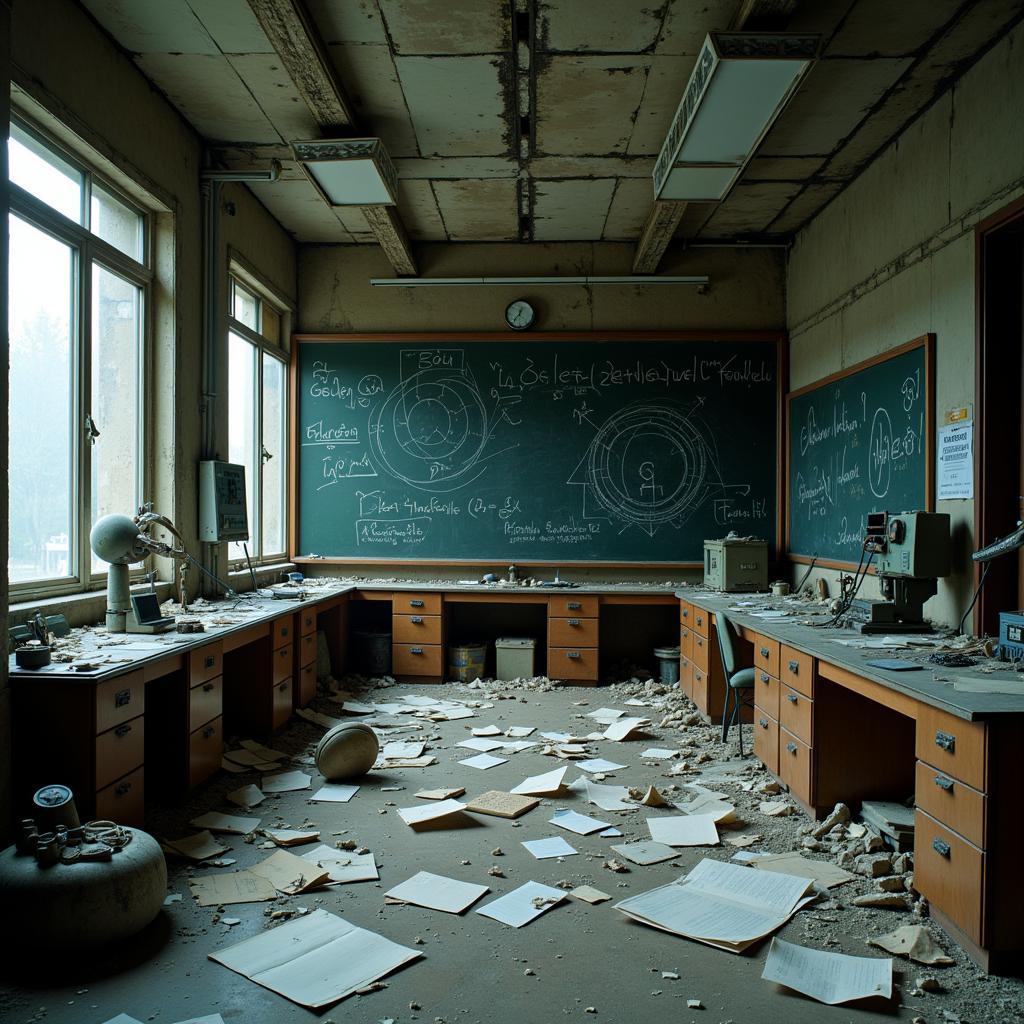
column 737, row 680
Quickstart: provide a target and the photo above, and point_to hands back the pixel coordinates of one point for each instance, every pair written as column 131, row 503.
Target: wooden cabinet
column 304, row 689
column 795, row 766
column 573, row 638
column 949, row 872
column 766, row 740
column 417, row 636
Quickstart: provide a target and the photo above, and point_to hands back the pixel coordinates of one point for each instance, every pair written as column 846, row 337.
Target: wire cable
column 977, row 593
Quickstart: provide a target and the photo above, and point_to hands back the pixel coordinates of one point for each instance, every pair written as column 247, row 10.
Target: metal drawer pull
column 700, row 621
column 765, row 677
column 946, row 741
column 122, row 697
column 941, row 847
column 284, row 652
column 122, row 730
column 283, row 686
column 763, row 722
column 284, row 631
column 416, row 604
column 416, row 650
column 417, row 620
column 123, row 789
column 765, row 652
column 207, row 687
column 572, row 654
column 208, row 732
column 791, row 747
column 943, row 783
column 574, row 622
column 791, row 697
column 573, row 606
column 686, row 614
column 794, row 667
column 210, row 661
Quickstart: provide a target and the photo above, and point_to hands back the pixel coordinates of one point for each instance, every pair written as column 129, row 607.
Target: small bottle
column 512, row 577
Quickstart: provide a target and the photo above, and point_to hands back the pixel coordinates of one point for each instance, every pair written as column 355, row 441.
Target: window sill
column 265, row 575
column 86, row 608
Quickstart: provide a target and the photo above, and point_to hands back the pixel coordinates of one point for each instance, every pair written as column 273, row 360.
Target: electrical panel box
column 913, row 544
column 222, row 509
column 1011, row 636
column 736, row 565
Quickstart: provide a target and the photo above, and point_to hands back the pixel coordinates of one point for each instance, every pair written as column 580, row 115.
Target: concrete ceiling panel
column 166, row 27
column 479, row 211
column 418, row 207
column 567, row 211
column 274, row 91
column 348, row 21
column 300, row 210
column 232, row 25
column 804, row 206
column 880, row 28
column 457, row 104
column 592, row 167
column 588, row 104
column 352, row 219
column 458, row 167
column 833, row 98
column 210, row 96
column 782, row 168
column 749, row 209
column 666, row 81
column 368, row 74
column 604, row 26
column 687, row 23
column 629, row 208
column 446, row 26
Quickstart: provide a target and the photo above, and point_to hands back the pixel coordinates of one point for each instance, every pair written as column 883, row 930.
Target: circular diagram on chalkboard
column 432, row 430
column 648, row 465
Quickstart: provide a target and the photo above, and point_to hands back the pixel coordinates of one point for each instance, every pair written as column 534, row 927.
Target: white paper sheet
column 520, row 731
column 581, row 824
column 542, row 785
column 517, row 908
column 285, row 782
column 830, row 978
column 544, row 849
column 246, row 796
column 487, row 730
column 605, row 715
column 343, row 866
column 437, row 892
column 646, row 852
column 231, row 823
column 402, row 749
column 623, row 728
column 608, row 798
column 335, row 793
column 599, row 764
column 658, row 753
column 484, row 745
column 430, row 814
column 484, row 761
column 684, row 830
column 516, row 746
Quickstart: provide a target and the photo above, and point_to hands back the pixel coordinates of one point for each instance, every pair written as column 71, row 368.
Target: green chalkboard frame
column 926, row 342
column 777, row 339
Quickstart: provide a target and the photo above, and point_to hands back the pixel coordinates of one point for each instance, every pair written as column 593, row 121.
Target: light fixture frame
column 342, row 151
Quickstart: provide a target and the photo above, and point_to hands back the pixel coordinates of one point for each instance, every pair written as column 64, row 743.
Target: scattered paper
column 824, row 872
column 589, row 894
column 573, row 821
column 652, row 798
column 522, row 905
column 515, row 746
column 292, row 836
column 231, row 823
column 248, row 758
column 487, row 730
column 542, row 785
column 610, row 833
column 484, row 745
column 285, row 782
column 197, row 847
column 742, row 838
column 599, row 764
column 315, row 960
column 623, row 728
column 646, row 852
column 518, row 732
column 342, row 866
column 436, row 892
column 290, row 874
column 830, row 978
column 484, row 761
column 502, row 805
column 231, row 887
column 913, row 941
column 776, row 808
column 684, row 830
column 442, row 814
column 357, row 707
column 247, row 796
column 262, row 752
column 402, row 749
column 425, row 761
column 605, row 715
column 544, row 849
column 608, row 798
column 335, row 793
column 659, row 753
column 441, row 794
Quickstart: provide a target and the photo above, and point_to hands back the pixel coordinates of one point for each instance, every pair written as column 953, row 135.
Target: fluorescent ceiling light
column 739, row 86
column 349, row 172
column 464, row 282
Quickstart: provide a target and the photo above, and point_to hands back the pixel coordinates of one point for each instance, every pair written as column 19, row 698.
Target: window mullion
column 257, row 489
column 83, row 340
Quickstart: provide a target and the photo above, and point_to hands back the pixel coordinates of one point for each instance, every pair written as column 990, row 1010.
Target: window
column 80, row 283
column 257, row 407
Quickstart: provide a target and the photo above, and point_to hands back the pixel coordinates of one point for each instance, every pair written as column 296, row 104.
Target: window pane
column 115, row 399
column 44, row 174
column 117, row 223
column 273, row 518
column 42, row 406
column 245, row 307
column 242, row 425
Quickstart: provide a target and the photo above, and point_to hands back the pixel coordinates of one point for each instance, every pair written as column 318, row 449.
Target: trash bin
column 372, row 653
column 668, row 660
column 514, row 657
column 466, row 661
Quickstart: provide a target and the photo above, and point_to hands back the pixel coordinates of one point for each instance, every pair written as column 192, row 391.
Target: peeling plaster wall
column 335, row 296
column 893, row 258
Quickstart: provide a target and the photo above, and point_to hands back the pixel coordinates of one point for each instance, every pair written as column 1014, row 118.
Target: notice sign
column 956, row 461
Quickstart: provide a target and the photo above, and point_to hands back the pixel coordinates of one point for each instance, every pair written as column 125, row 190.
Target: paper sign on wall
column 956, row 461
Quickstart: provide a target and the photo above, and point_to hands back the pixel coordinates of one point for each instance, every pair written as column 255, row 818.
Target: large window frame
column 263, row 329
column 90, row 252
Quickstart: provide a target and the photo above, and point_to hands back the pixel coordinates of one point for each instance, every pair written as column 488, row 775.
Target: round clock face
column 520, row 315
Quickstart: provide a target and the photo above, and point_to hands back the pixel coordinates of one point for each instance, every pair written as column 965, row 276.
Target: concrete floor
column 474, row 969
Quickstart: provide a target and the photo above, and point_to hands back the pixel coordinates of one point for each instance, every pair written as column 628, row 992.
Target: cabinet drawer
column 795, row 765
column 281, row 667
column 700, row 620
column 766, row 655
column 205, row 701
column 686, row 677
column 766, row 740
column 949, row 873
column 307, row 686
column 119, row 699
column 685, row 613
column 205, row 745
column 416, row 629
column 417, row 659
column 282, row 631
column 581, row 606
column 280, row 704
column 955, row 746
column 795, row 713
column 572, row 632
column 797, row 670
column 124, row 801
column 307, row 621
column 204, row 663
column 766, row 692
column 951, row 802
column 120, row 750
column 699, row 688
column 685, row 642
column 416, row 604
column 700, row 655
column 572, row 662
column 307, row 649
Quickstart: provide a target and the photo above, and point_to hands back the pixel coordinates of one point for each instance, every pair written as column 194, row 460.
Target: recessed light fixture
column 349, row 172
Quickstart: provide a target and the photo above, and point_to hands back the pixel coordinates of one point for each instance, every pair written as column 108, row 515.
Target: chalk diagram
column 434, row 432
column 650, row 465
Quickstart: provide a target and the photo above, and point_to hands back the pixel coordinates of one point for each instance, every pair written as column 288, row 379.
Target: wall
column 893, row 258
column 747, row 293
column 5, row 693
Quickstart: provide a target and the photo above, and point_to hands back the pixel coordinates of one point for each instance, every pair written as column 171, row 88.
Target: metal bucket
column 373, row 653
column 668, row 660
column 466, row 661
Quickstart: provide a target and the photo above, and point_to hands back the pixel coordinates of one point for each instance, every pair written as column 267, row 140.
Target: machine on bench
column 911, row 551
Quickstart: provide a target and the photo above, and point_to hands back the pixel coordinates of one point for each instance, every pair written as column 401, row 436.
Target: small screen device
column 145, row 615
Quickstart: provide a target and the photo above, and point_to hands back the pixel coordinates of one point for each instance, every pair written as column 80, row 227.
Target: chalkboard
column 859, row 441
column 541, row 448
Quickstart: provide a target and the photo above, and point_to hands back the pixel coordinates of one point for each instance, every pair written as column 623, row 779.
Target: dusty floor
column 570, row 962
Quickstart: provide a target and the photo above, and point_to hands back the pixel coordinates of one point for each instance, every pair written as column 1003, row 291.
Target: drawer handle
column 416, row 603
column 791, row 747
column 207, row 687
column 573, row 606
column 284, row 631
column 791, row 697
column 574, row 622
column 284, row 652
column 945, row 740
column 208, row 732
column 794, row 667
column 943, row 783
column 210, row 661
column 417, row 620
column 122, row 698
column 941, row 847
column 572, row 654
column 283, row 686
column 122, row 730
column 763, row 722
column 700, row 621
column 416, row 650
column 686, row 614
column 765, row 652
column 765, row 678
column 123, row 789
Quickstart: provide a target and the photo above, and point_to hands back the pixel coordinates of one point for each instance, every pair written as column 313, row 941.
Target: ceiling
column 546, row 127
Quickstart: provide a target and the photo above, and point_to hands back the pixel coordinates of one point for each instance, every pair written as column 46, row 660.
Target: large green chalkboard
column 614, row 450
column 859, row 442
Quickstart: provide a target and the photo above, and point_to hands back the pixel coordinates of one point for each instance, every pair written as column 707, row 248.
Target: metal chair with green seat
column 736, row 680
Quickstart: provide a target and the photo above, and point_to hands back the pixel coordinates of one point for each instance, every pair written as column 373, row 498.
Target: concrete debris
column 886, row 900
column 694, row 1004
column 929, row 984
column 872, row 865
column 839, row 816
column 614, row 865
column 915, row 942
column 670, row 975
column 893, row 883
